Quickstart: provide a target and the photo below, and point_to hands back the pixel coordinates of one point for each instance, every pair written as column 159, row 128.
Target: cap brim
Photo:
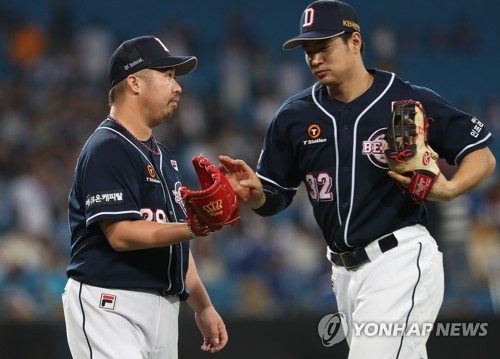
column 183, row 64
column 308, row 36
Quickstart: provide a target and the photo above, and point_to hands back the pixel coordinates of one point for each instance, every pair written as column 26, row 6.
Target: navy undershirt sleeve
column 275, row 202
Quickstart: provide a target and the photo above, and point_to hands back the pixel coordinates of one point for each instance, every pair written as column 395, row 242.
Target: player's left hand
column 440, row 190
column 212, row 328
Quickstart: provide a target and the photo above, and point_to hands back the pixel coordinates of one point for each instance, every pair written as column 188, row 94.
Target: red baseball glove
column 407, row 151
column 215, row 205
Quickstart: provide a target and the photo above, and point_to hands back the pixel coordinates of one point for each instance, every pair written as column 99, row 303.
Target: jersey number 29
column 156, row 216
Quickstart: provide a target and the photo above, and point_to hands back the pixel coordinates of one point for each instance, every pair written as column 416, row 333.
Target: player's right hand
column 243, row 180
column 213, row 329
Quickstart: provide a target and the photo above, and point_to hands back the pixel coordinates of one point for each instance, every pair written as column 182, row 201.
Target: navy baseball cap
column 146, row 52
column 324, row 19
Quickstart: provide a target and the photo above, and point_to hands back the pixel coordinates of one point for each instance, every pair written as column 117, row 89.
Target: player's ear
column 133, row 83
column 357, row 42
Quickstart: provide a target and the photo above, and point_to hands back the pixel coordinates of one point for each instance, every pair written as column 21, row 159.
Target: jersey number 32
column 320, row 187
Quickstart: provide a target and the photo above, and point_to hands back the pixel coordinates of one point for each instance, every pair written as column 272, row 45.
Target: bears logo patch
column 374, row 148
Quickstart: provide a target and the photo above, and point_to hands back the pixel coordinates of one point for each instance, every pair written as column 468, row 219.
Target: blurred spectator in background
column 384, row 44
column 484, row 248
column 437, row 38
column 94, row 45
column 463, row 37
column 27, row 45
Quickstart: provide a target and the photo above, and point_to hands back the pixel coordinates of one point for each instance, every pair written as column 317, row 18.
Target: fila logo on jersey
column 374, row 148
column 151, row 174
column 107, row 301
column 314, row 131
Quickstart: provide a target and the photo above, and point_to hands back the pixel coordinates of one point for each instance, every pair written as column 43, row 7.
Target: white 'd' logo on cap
column 161, row 43
column 308, row 17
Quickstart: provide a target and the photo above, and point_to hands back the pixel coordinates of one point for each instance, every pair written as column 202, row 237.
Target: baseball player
column 386, row 268
column 130, row 259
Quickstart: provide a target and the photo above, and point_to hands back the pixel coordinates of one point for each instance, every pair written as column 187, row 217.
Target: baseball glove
column 407, row 151
column 215, row 205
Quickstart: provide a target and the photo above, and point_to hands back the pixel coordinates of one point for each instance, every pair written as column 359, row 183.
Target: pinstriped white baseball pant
column 402, row 286
column 114, row 323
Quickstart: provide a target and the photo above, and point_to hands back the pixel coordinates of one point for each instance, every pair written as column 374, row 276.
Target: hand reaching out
column 243, row 180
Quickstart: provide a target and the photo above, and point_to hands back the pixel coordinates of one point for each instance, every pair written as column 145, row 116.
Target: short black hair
column 347, row 35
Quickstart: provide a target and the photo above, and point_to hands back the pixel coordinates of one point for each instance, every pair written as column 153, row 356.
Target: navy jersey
column 117, row 178
column 336, row 150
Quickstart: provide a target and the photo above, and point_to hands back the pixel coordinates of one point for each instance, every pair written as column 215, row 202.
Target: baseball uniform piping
column 83, row 321
column 163, row 186
column 412, row 297
column 336, row 148
column 169, row 266
column 137, row 148
column 115, row 213
column 353, row 174
column 469, row 146
column 276, row 184
column 353, row 155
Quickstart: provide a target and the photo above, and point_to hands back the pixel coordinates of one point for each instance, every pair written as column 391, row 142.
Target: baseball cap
column 146, row 52
column 324, row 19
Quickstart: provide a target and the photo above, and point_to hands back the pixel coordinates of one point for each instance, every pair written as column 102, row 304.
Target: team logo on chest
column 374, row 148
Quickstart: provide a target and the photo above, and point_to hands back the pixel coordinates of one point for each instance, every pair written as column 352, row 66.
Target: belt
column 353, row 259
column 164, row 292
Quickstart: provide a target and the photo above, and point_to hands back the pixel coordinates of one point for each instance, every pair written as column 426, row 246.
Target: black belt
column 164, row 292
column 357, row 257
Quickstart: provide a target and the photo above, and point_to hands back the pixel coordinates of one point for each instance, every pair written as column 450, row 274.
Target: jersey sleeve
column 109, row 183
column 277, row 167
column 452, row 133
